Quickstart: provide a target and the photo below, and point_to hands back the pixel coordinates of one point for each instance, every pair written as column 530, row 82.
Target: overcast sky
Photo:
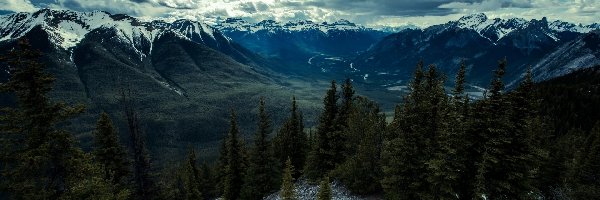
column 367, row 12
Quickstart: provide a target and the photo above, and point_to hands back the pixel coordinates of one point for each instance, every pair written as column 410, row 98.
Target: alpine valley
column 186, row 75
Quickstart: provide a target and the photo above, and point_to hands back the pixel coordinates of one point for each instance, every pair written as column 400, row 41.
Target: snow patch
column 305, row 190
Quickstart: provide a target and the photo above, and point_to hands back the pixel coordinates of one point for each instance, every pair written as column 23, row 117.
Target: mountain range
column 480, row 42
column 187, row 75
column 294, row 43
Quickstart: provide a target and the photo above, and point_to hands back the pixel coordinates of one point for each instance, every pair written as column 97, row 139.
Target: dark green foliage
column 324, row 190
column 361, row 171
column 412, row 139
column 504, row 171
column 233, row 173
column 447, row 170
column 291, row 141
column 584, row 179
column 322, row 157
column 341, row 122
column 207, row 182
column 89, row 183
column 259, row 180
column 39, row 160
column 192, row 178
column 571, row 101
column 287, row 183
column 108, row 153
column 346, row 104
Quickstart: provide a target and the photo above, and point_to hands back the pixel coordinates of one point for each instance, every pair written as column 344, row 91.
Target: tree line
column 439, row 145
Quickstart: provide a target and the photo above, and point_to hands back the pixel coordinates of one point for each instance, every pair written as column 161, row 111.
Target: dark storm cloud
column 421, row 12
column 382, row 7
column 399, row 7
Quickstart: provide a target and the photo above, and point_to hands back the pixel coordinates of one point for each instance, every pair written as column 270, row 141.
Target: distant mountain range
column 481, row 42
column 294, row 43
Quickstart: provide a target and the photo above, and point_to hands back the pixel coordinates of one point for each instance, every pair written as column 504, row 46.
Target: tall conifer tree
column 321, row 158
column 410, row 145
column 39, row 160
column 234, row 169
column 109, row 153
column 259, row 179
column 291, row 141
column 287, row 184
column 361, row 172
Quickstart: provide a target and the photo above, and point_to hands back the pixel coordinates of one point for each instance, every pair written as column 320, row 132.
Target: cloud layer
column 366, row 12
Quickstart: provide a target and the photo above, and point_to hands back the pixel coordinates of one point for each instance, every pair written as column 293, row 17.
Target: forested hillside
column 538, row 141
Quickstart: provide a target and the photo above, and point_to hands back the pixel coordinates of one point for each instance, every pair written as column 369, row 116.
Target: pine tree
column 39, row 160
column 341, row 122
column 460, row 168
column 321, row 157
column 324, row 190
column 410, row 144
column 447, row 167
column 361, row 172
column 287, row 184
column 234, row 169
column 109, row 154
column 259, row 176
column 192, row 177
column 291, row 141
column 503, row 171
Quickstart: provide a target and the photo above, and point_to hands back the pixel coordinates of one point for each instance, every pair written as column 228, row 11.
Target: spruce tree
column 291, row 141
column 192, row 177
column 447, row 167
column 233, row 177
column 287, row 184
column 361, row 172
column 339, row 135
column 39, row 160
column 321, row 157
column 259, row 180
column 410, row 144
column 503, row 171
column 109, row 153
column 324, row 190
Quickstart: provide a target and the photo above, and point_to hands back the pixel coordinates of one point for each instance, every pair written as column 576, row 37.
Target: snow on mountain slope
column 238, row 24
column 496, row 29
column 582, row 52
column 68, row 28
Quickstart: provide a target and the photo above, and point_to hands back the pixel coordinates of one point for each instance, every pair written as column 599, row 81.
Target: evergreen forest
column 535, row 140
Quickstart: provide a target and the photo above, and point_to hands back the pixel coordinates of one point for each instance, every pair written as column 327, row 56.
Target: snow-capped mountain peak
column 67, row 28
column 495, row 29
column 472, row 21
column 240, row 25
